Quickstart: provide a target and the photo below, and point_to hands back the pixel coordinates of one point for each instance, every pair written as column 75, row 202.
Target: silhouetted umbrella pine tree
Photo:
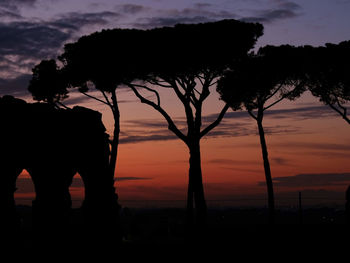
column 187, row 59
column 94, row 63
column 257, row 84
column 328, row 76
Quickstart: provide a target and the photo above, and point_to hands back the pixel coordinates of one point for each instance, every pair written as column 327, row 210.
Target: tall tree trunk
column 116, row 131
column 195, row 187
column 271, row 199
column 190, row 210
column 114, row 145
column 115, row 219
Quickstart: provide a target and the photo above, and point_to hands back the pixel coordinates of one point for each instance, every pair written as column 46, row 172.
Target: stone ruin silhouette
column 53, row 145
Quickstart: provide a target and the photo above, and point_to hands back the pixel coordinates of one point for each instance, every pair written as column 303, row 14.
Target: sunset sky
column 309, row 145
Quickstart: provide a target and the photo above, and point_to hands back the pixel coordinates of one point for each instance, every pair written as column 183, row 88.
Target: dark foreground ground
column 164, row 229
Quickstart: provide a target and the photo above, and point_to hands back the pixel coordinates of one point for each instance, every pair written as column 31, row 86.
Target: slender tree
column 257, row 84
column 328, row 76
column 187, row 59
column 92, row 63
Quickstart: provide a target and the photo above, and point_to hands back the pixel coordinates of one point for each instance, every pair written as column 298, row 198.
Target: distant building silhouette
column 347, row 205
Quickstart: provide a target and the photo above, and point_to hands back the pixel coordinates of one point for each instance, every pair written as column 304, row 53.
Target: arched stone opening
column 25, row 191
column 77, row 191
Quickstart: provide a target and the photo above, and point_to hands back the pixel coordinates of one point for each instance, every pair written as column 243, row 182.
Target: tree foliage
column 267, row 77
column 328, row 75
column 48, row 83
column 119, row 56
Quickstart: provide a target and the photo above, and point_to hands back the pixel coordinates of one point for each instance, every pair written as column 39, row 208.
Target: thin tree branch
column 200, row 79
column 159, row 83
column 106, row 98
column 185, row 101
column 252, row 114
column 190, row 88
column 216, row 122
column 205, row 90
column 214, row 83
column 341, row 113
column 151, row 90
column 335, row 108
column 64, row 106
column 274, row 103
column 276, row 90
column 115, row 102
column 343, row 108
column 95, row 98
column 171, row 125
column 180, row 83
column 199, row 93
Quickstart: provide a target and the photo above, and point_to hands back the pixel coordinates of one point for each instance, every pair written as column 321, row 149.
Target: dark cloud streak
column 282, row 10
column 198, row 13
column 302, row 113
column 223, row 130
column 75, row 20
column 233, row 162
column 313, row 180
column 14, row 5
column 153, row 22
column 31, row 40
column 16, row 87
column 131, row 9
column 203, row 12
column 243, row 125
column 24, row 43
column 132, row 178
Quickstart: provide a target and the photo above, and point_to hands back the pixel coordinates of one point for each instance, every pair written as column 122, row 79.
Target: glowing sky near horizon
column 307, row 140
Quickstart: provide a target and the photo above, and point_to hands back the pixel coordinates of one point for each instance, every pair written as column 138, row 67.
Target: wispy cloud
column 280, row 161
column 301, row 113
column 16, row 86
column 280, row 10
column 132, row 178
column 10, row 10
column 14, row 5
column 232, row 162
column 318, row 146
column 204, row 12
column 223, row 130
column 196, row 13
column 30, row 39
column 234, row 124
column 313, row 180
column 76, row 20
column 147, row 138
column 131, row 9
column 24, row 41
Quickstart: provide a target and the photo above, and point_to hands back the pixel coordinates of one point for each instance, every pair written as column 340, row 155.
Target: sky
column 309, row 145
